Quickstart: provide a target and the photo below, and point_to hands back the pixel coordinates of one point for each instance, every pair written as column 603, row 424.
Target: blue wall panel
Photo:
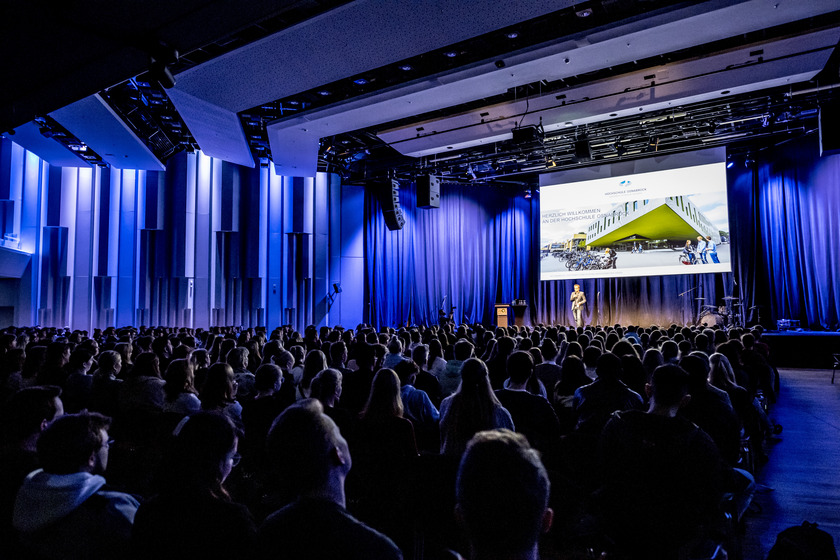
column 201, row 243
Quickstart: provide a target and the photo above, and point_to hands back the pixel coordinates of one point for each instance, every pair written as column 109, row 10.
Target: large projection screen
column 634, row 218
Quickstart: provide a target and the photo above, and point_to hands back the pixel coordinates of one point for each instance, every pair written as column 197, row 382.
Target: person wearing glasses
column 64, row 509
column 192, row 514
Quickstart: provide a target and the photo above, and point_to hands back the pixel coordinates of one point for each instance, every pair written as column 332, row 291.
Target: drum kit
column 725, row 316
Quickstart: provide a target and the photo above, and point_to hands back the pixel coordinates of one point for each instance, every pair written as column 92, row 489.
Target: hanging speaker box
column 428, row 191
column 829, row 129
column 389, row 198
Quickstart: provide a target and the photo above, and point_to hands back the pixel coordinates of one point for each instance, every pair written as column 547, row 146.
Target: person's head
column 14, row 359
column 591, row 355
column 58, row 353
column 384, row 399
column 420, row 355
column 125, row 350
column 202, row 455
column 699, row 238
column 28, row 412
column 577, row 287
column 200, row 358
column 502, row 493
column 435, row 349
column 162, row 346
column 395, row 345
column 75, row 443
column 721, row 374
column 572, row 376
column 668, row 387
column 147, row 364
column 463, row 350
column 670, row 351
column 110, row 363
column 338, row 353
column 179, row 379
column 237, row 358
column 608, row 367
column 219, row 387
column 315, row 363
column 520, row 366
column 549, row 349
column 285, row 360
column 267, row 378
column 698, row 373
column 306, row 450
column 329, row 386
column 652, row 360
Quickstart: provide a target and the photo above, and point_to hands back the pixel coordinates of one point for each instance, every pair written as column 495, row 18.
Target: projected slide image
column 664, row 222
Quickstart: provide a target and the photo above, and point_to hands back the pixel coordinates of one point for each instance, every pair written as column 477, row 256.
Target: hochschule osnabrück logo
column 625, row 183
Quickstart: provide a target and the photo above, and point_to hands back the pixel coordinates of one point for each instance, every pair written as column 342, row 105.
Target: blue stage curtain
column 474, row 251
column 481, row 247
column 799, row 211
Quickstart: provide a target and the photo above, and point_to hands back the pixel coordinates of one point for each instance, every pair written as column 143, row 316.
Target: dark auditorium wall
column 203, row 243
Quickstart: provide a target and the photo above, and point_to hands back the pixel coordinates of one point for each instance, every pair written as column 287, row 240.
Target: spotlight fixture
column 584, row 13
column 360, row 82
column 730, row 164
column 406, row 67
column 450, row 54
column 160, row 60
column 527, row 194
column 512, row 35
column 323, row 93
column 336, row 290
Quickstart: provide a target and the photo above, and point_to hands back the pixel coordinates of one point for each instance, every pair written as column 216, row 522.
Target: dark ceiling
column 63, row 52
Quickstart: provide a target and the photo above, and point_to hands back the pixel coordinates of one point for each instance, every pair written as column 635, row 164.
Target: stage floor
column 802, row 349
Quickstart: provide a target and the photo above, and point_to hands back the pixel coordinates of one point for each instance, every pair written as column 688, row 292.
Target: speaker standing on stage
column 578, row 300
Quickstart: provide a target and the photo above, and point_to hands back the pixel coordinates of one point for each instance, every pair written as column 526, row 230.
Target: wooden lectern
column 501, row 315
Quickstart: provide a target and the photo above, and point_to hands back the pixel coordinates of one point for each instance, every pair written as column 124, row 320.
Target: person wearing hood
column 64, row 510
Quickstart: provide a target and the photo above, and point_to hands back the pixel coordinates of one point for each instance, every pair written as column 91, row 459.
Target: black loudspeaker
column 428, row 191
column 829, row 129
column 583, row 150
column 390, row 201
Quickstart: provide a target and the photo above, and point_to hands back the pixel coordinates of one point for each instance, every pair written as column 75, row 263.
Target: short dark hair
column 463, row 349
column 26, row 409
column 299, row 444
column 669, row 384
column 608, row 366
column 520, row 366
column 267, row 377
column 67, row 444
column 502, row 491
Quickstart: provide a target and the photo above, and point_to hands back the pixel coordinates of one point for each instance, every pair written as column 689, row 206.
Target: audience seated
column 451, row 377
column 65, row 510
column 472, row 409
column 532, row 415
column 308, row 454
column 662, row 475
column 502, row 495
column 594, row 403
column 181, row 394
column 25, row 415
column 192, row 515
column 386, row 416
